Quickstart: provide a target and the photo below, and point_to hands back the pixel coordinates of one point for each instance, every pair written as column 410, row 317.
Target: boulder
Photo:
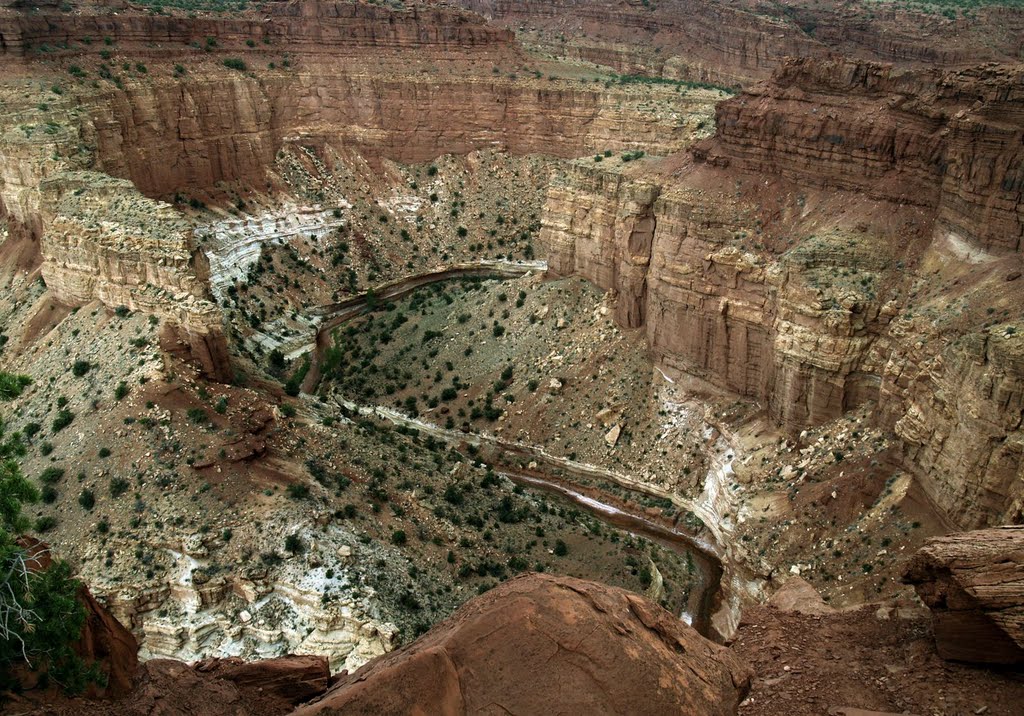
column 798, row 595
column 294, row 679
column 973, row 582
column 545, row 644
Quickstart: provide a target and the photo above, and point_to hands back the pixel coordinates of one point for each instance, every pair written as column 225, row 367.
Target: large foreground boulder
column 541, row 644
column 974, row 584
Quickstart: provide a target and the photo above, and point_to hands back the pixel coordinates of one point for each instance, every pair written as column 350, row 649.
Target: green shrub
column 45, row 523
column 80, row 368
column 398, row 537
column 63, row 419
column 87, row 499
column 51, row 475
column 233, row 63
column 11, row 385
column 118, row 486
column 298, row 491
column 293, row 544
column 197, row 415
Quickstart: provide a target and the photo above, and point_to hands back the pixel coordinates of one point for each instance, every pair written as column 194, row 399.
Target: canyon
column 751, row 290
column 341, row 317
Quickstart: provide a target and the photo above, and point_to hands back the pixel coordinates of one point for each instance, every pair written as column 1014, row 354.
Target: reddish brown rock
column 735, row 263
column 292, row 678
column 798, row 595
column 104, row 641
column 107, row 642
column 974, row 584
column 944, row 140
column 732, row 43
column 544, row 644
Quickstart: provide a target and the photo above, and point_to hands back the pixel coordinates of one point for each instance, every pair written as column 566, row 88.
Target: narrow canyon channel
column 706, row 596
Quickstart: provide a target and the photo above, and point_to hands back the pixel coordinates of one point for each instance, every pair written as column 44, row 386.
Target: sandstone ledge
column 974, row 584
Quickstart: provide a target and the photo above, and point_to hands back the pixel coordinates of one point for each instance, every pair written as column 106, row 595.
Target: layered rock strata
column 721, row 43
column 104, row 241
column 540, row 643
column 337, row 29
column 816, row 257
column 257, row 613
column 407, row 85
column 946, row 141
column 974, row 584
column 166, row 136
column 731, row 44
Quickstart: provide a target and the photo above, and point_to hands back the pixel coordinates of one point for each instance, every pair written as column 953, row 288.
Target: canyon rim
column 465, row 357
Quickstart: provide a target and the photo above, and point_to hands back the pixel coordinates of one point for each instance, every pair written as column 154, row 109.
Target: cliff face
column 776, row 328
column 407, row 85
column 683, row 39
column 337, row 29
column 735, row 44
column 845, row 238
column 359, row 80
column 104, row 241
column 228, row 127
column 946, row 141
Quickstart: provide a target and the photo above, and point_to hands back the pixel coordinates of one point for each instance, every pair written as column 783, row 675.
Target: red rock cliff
column 845, row 238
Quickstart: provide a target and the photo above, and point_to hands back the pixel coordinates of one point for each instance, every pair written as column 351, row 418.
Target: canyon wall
column 685, row 39
column 708, row 40
column 335, row 29
column 950, row 141
column 192, row 134
column 407, row 85
column 846, row 237
column 104, row 241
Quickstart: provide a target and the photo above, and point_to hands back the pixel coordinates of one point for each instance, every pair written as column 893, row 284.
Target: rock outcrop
column 294, row 679
column 729, row 43
column 104, row 241
column 846, row 237
column 540, row 644
column 946, row 141
column 405, row 85
column 685, row 39
column 103, row 641
column 228, row 127
column 106, row 642
column 328, row 28
column 974, row 584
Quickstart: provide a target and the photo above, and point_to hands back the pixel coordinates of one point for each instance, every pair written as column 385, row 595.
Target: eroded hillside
column 339, row 314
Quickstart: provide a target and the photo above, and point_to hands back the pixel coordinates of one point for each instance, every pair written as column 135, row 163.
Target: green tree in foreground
column 40, row 616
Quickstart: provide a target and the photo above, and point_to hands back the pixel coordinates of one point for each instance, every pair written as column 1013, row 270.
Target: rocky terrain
column 737, row 43
column 773, row 291
column 339, row 317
